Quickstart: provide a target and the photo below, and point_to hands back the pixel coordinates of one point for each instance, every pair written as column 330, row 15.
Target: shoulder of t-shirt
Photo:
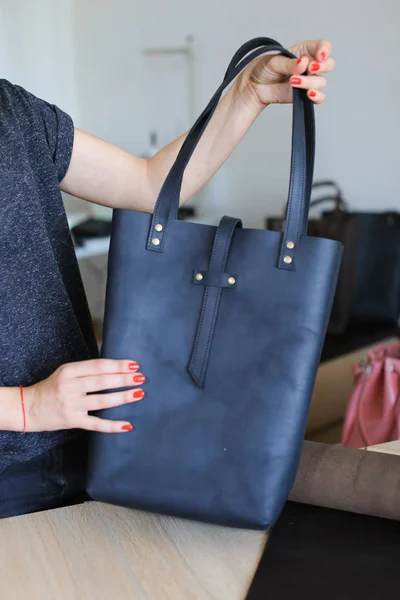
column 19, row 98
column 36, row 114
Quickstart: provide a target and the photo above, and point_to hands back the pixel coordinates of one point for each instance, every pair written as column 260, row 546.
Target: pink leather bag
column 373, row 412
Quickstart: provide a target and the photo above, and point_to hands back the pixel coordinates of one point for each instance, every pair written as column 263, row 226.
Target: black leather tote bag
column 338, row 224
column 377, row 282
column 228, row 325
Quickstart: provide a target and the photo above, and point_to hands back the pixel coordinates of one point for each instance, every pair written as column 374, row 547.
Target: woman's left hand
column 270, row 79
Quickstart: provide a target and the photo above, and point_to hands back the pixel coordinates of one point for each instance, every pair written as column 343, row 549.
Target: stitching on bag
column 204, row 305
column 226, row 249
column 210, row 335
column 200, row 326
column 217, row 301
column 288, row 220
column 164, row 222
column 206, row 301
column 303, row 199
column 214, row 249
column 286, row 235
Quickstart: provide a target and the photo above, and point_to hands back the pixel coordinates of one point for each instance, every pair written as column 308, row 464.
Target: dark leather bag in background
column 227, row 324
column 377, row 283
column 337, row 224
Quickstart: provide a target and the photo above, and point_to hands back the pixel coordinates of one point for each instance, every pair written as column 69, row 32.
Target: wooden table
column 99, row 552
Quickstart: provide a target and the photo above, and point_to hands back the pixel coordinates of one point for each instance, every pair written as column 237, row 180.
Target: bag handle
column 308, row 118
column 327, row 183
column 302, row 160
column 337, row 197
column 340, row 204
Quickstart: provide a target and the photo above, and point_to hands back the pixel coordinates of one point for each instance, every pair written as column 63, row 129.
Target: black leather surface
column 323, row 554
column 377, row 285
column 211, row 300
column 224, row 448
column 358, row 335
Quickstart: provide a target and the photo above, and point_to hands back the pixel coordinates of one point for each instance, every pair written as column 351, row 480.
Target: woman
column 48, row 360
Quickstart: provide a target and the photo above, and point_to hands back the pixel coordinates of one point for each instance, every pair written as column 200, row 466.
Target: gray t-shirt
column 44, row 316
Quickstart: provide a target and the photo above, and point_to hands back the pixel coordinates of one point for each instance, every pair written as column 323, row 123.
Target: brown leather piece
column 347, row 479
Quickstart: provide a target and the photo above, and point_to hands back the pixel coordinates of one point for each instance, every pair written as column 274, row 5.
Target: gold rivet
column 287, row 260
column 290, row 245
column 198, row 277
column 158, row 227
column 231, row 280
column 155, row 242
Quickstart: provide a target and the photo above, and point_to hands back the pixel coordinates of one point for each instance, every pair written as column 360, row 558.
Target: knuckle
column 107, row 426
column 123, row 366
column 65, row 412
column 102, row 402
column 101, row 365
column 100, row 382
column 64, row 372
column 96, row 426
column 60, row 388
column 115, row 427
column 127, row 398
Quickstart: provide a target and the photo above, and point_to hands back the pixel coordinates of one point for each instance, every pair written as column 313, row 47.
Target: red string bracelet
column 21, row 391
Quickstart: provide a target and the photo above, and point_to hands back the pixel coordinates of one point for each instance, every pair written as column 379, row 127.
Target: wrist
column 11, row 413
column 244, row 94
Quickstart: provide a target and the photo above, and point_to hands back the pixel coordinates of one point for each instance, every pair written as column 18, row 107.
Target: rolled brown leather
column 358, row 481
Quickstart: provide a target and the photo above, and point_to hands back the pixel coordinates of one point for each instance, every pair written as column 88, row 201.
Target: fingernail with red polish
column 127, row 427
column 139, row 378
column 312, row 94
column 315, row 67
column 138, row 394
column 133, row 366
column 299, row 61
column 295, row 80
column 323, row 55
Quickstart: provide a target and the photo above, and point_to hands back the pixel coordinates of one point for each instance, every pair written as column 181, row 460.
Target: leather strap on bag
column 337, row 197
column 215, row 279
column 302, row 162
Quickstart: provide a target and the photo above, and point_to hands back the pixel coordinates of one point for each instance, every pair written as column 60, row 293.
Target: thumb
column 289, row 66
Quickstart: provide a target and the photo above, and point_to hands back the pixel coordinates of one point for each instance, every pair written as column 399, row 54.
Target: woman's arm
column 66, row 399
column 105, row 174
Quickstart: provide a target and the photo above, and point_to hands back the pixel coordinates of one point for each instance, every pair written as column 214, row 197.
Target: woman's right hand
column 62, row 402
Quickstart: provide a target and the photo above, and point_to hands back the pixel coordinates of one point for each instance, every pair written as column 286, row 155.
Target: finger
column 97, row 366
column 323, row 50
column 318, row 50
column 324, row 67
column 288, row 66
column 104, row 401
column 316, row 97
column 312, row 82
column 97, row 383
column 105, row 426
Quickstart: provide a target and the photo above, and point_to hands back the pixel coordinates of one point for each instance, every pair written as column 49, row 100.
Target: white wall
column 37, row 51
column 358, row 127
column 86, row 56
column 38, row 39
